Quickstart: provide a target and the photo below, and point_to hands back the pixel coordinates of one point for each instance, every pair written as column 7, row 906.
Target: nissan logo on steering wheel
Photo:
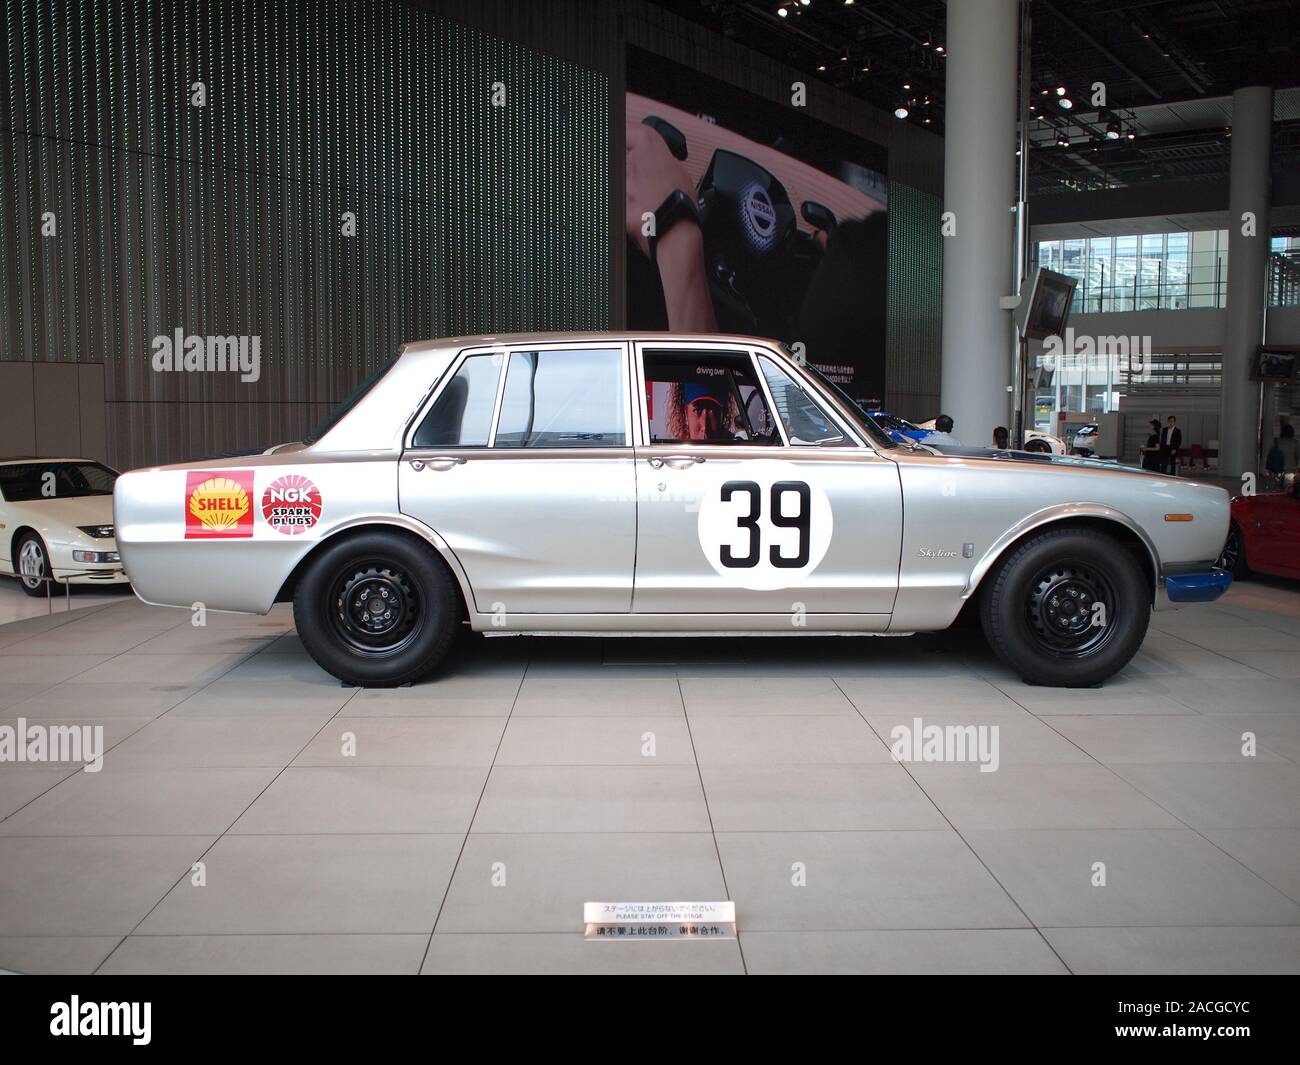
column 758, row 216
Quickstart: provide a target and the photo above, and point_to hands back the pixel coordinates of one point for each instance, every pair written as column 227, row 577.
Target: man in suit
column 1171, row 439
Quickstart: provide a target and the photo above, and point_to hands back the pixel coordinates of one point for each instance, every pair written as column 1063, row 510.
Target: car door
column 522, row 462
column 1278, row 535
column 750, row 502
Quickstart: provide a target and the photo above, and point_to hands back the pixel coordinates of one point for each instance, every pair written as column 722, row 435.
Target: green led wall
column 227, row 218
column 915, row 317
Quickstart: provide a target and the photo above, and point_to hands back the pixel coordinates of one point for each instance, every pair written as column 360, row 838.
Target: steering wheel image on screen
column 758, row 259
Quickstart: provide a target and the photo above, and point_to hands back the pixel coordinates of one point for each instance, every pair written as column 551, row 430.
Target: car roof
column 554, row 336
column 23, row 460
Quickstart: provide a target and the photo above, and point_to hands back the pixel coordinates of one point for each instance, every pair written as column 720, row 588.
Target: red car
column 1265, row 535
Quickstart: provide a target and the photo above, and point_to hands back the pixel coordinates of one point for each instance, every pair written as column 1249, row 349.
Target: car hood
column 1037, row 457
column 72, row 510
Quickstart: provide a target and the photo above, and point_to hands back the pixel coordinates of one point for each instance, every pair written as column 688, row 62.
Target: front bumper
column 87, row 574
column 1200, row 583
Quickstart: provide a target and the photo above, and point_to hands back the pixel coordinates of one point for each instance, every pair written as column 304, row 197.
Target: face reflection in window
column 704, row 420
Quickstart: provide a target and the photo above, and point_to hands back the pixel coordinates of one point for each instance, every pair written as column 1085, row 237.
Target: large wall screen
column 792, row 237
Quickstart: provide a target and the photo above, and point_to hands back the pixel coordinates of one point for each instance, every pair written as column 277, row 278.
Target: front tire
column 377, row 610
column 32, row 564
column 1234, row 554
column 1067, row 608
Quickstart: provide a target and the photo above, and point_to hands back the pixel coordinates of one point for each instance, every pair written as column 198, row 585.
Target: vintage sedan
column 652, row 484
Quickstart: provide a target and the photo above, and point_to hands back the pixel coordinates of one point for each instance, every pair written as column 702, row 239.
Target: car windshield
column 342, row 409
column 26, row 481
column 873, row 432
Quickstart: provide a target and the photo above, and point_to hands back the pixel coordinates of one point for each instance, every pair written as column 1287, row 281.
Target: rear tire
column 1067, row 608
column 32, row 564
column 377, row 610
column 1038, row 447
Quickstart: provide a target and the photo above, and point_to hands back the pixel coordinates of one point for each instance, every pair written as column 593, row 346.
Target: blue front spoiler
column 1197, row 586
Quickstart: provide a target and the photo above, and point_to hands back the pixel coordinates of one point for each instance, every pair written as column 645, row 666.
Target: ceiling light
column 1065, row 103
column 1112, row 130
column 782, row 12
column 901, row 111
column 1060, row 90
column 939, row 48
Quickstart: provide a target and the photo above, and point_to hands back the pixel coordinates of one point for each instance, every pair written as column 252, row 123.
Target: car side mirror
column 818, row 215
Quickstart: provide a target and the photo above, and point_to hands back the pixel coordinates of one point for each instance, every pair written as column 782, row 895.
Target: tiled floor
column 459, row 825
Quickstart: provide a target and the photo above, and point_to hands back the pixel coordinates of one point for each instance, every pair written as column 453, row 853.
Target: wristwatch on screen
column 677, row 206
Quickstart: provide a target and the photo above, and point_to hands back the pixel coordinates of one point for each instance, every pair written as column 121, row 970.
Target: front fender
column 1054, row 515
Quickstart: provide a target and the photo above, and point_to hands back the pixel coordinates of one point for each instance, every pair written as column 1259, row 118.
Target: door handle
column 674, row 462
column 438, row 462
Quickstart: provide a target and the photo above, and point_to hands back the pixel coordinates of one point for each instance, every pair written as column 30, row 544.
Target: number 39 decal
column 800, row 520
column 766, row 529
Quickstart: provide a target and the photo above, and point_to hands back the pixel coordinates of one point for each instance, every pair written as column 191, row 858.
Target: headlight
column 97, row 532
column 96, row 556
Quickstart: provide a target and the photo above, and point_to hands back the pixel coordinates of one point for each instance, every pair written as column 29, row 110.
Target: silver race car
column 651, row 484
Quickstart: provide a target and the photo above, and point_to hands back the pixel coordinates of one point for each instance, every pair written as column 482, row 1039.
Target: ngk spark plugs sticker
column 765, row 528
column 218, row 504
column 291, row 504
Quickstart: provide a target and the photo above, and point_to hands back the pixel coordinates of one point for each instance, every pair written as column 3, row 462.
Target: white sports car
column 641, row 484
column 56, row 523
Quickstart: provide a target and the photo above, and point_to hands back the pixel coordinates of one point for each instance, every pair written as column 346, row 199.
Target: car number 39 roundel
column 765, row 528
column 291, row 504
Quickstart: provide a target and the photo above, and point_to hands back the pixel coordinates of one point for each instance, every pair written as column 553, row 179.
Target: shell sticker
column 218, row 504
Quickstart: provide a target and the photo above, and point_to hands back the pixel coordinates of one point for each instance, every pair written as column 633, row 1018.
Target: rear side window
column 563, row 399
column 462, row 414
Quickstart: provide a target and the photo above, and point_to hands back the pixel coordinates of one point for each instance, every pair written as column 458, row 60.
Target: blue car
column 899, row 429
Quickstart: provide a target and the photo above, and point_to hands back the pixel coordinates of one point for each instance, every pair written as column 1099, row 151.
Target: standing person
column 1171, row 439
column 1151, row 458
column 942, row 433
column 1001, row 438
column 1289, row 446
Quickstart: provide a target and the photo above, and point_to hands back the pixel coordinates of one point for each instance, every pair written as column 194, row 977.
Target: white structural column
column 1243, row 330
column 979, row 188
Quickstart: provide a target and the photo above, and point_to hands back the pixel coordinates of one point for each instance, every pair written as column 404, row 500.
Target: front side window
column 563, row 399
column 706, row 397
column 805, row 421
column 462, row 414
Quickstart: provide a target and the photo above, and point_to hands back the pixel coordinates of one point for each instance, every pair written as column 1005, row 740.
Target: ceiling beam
column 1075, row 28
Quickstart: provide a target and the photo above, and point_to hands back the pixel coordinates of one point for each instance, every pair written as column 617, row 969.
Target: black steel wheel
column 1066, row 607
column 377, row 609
